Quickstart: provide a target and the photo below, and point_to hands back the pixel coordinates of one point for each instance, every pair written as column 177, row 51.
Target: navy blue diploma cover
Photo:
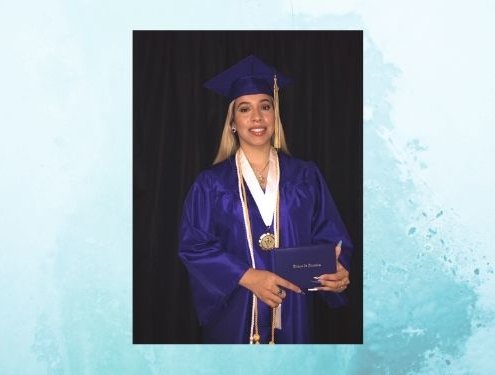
column 300, row 265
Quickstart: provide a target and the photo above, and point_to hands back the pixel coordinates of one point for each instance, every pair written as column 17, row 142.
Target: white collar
column 267, row 200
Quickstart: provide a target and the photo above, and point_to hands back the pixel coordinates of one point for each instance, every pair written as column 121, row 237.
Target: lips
column 258, row 131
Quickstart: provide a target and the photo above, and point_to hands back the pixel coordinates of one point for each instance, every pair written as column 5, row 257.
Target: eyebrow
column 249, row 103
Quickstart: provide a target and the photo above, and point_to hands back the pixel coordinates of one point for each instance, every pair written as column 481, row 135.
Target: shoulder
column 297, row 170
column 221, row 175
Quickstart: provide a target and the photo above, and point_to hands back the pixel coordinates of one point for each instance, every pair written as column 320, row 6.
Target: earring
column 234, row 130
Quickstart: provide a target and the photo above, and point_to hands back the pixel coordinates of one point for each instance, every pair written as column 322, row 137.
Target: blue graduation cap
column 249, row 76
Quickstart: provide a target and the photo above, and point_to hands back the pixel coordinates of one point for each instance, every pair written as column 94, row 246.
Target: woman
column 255, row 199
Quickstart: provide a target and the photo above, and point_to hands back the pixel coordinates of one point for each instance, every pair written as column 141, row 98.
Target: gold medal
column 267, row 241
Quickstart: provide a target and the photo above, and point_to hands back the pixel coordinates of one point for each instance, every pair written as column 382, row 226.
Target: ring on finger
column 280, row 291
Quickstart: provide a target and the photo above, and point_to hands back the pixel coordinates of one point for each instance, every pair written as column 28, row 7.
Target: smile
column 258, row 131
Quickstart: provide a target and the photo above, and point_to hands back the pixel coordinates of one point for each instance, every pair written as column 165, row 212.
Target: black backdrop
column 176, row 130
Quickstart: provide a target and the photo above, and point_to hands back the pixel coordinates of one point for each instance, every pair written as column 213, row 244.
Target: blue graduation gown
column 214, row 249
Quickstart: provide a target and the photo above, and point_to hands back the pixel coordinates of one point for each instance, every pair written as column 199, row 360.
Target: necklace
column 260, row 172
column 254, row 331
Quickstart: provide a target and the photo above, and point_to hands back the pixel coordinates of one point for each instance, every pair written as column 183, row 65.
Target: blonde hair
column 229, row 143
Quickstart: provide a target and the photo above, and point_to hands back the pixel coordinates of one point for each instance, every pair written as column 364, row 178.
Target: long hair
column 229, row 142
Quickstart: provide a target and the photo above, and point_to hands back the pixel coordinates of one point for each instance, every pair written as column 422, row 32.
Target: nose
column 256, row 114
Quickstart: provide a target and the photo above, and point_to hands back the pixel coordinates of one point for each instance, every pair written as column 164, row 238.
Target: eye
column 243, row 109
column 266, row 106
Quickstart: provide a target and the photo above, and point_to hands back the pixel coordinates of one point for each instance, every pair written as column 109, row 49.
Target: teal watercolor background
column 66, row 188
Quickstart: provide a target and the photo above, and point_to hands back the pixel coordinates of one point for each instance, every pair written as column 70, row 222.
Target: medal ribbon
column 254, row 336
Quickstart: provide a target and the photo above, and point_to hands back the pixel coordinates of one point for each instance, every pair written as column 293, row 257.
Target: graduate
column 254, row 199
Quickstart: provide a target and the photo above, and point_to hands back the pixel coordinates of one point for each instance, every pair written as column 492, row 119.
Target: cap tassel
column 276, row 137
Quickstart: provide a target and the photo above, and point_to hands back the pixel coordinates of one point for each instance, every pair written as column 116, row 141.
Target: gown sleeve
column 327, row 226
column 214, row 272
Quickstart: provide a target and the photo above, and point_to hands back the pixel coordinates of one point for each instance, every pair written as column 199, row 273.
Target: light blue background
column 66, row 187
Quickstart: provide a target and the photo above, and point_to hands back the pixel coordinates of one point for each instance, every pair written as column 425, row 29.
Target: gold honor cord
column 254, row 331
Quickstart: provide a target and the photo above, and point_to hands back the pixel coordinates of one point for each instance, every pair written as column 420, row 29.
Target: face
column 254, row 119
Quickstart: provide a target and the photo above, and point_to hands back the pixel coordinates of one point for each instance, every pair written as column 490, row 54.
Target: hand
column 335, row 282
column 267, row 286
